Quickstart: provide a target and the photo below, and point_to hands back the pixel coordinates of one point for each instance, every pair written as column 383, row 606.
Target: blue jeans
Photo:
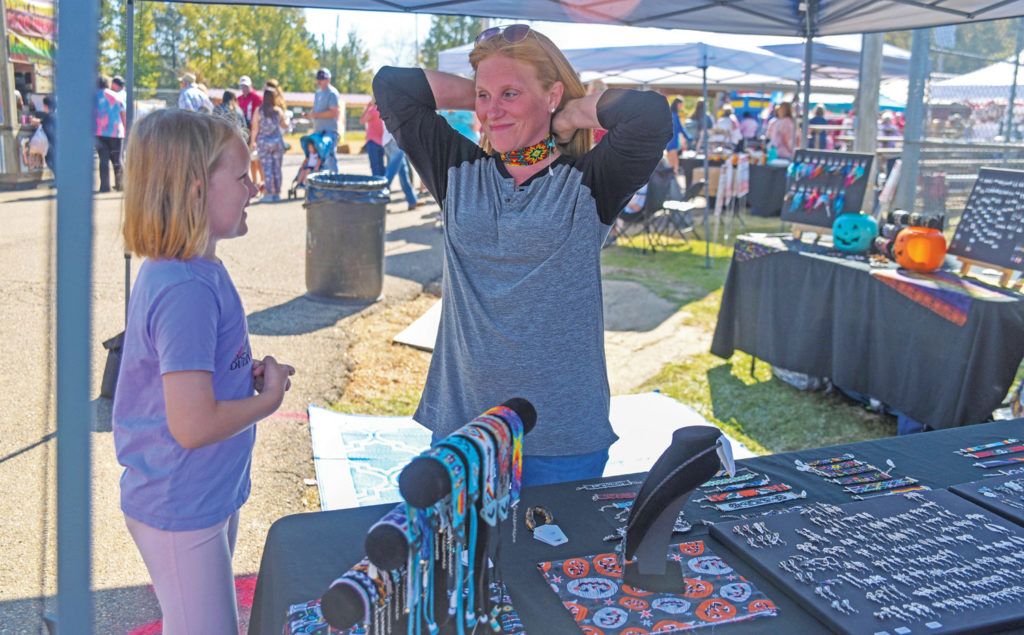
column 375, row 152
column 397, row 165
column 542, row 470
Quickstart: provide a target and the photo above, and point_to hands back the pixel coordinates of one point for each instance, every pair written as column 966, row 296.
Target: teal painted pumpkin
column 854, row 232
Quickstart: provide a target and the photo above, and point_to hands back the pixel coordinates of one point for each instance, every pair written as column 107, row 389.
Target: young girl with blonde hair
column 189, row 391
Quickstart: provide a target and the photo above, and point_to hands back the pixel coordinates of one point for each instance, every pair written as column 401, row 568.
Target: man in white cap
column 326, row 104
column 250, row 101
column 190, row 97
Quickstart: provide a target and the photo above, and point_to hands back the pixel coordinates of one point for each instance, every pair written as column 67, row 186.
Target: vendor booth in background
column 26, row 75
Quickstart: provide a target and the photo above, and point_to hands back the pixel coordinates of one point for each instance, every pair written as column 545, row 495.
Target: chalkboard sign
column 820, row 185
column 991, row 229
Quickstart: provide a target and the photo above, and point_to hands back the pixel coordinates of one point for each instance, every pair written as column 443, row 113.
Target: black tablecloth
column 767, row 189
column 827, row 316
column 688, row 164
column 304, row 553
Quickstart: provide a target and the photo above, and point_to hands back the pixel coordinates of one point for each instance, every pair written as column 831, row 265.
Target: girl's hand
column 267, row 373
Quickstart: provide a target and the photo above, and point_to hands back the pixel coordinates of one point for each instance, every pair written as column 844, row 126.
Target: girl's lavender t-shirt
column 182, row 315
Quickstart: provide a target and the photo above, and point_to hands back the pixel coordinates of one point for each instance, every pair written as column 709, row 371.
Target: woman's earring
column 552, row 110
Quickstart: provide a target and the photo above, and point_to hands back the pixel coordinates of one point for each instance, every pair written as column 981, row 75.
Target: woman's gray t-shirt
column 522, row 311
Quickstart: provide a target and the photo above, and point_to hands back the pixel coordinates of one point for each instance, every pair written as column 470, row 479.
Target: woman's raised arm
column 451, row 92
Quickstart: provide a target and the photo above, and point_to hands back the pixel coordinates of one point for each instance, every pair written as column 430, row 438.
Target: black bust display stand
column 695, row 455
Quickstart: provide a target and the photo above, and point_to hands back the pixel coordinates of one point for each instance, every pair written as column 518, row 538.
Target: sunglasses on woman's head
column 512, row 33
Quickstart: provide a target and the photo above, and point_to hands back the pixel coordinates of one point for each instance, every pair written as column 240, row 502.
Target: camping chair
column 641, row 222
column 678, row 213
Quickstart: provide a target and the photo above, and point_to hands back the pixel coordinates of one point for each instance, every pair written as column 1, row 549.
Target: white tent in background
column 991, row 83
column 659, row 63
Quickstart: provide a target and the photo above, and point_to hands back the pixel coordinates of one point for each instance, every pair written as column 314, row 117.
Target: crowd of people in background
column 264, row 119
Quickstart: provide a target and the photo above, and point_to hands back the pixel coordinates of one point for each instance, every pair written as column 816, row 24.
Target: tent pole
column 1008, row 131
column 808, row 58
column 707, row 176
column 76, row 86
column 129, row 11
column 919, row 51
column 129, row 119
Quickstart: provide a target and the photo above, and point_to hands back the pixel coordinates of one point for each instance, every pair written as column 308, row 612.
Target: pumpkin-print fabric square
column 592, row 590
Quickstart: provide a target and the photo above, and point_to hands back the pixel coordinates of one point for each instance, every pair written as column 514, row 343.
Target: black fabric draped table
column 688, row 164
column 304, row 553
column 767, row 189
column 943, row 356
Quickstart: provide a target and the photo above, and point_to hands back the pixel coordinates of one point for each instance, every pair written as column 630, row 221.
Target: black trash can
column 345, row 236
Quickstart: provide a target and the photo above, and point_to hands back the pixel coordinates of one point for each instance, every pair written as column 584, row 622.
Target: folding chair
column 678, row 213
column 641, row 222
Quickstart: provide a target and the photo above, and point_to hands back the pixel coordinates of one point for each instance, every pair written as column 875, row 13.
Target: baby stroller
column 315, row 146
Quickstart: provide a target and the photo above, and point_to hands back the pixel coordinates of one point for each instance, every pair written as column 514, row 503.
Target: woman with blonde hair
column 524, row 218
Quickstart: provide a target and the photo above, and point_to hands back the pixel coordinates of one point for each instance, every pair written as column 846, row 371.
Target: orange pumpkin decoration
column 632, row 590
column 715, row 610
column 920, row 248
column 697, row 588
column 760, row 606
column 607, row 564
column 576, row 567
column 577, row 610
column 634, row 630
column 670, row 626
column 695, row 548
column 590, row 630
column 634, row 604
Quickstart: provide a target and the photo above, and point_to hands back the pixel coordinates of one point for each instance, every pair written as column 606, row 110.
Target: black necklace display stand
column 422, row 483
column 695, row 455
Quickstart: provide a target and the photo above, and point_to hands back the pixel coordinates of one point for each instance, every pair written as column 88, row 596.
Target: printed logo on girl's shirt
column 243, row 357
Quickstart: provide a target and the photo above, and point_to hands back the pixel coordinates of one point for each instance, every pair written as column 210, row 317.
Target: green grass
column 763, row 412
column 766, row 414
column 399, row 404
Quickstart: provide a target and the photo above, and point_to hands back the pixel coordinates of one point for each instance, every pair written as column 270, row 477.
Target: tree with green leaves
column 978, row 44
column 352, row 73
column 216, row 42
column 448, row 31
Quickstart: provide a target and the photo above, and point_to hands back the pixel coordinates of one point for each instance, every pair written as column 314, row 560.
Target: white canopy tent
column 77, row 29
column 662, row 59
column 991, row 83
column 670, row 66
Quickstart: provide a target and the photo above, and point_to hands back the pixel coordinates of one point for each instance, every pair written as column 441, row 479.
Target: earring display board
column 1003, row 494
column 820, row 185
column 991, row 229
column 921, row 562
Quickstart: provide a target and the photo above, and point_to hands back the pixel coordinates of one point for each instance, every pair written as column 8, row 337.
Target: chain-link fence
column 967, row 123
